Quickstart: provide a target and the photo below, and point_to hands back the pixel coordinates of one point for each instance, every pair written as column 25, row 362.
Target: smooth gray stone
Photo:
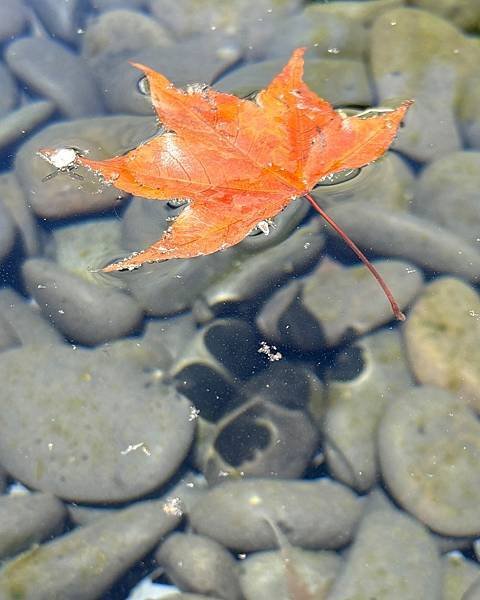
column 355, row 403
column 447, row 193
column 82, row 311
column 84, row 563
column 462, row 13
column 347, row 301
column 459, row 574
column 231, row 276
column 53, row 71
column 441, row 338
column 473, row 592
column 326, row 33
column 122, row 31
column 28, row 324
column 266, row 575
column 8, row 339
column 9, row 95
column 3, row 480
column 258, row 439
column 13, row 198
column 255, row 274
column 314, row 514
column 195, row 563
column 424, row 436
column 342, row 82
column 87, row 450
column 19, row 123
column 251, row 23
column 13, row 19
column 469, row 113
column 7, row 231
column 62, row 19
column 64, row 196
column 172, row 286
column 120, row 81
column 393, row 556
column 407, row 237
column 403, row 67
column 104, row 5
column 28, row 519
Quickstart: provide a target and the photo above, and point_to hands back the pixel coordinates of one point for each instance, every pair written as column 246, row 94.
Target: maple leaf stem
column 387, row 291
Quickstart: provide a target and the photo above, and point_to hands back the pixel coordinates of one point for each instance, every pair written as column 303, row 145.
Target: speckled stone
column 56, row 73
column 84, row 449
column 28, row 519
column 429, row 448
column 315, row 514
column 441, row 337
column 447, row 193
column 393, row 556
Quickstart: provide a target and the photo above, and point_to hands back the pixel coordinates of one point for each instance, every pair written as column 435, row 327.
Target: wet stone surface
column 316, row 514
column 120, row 448
column 442, row 335
column 236, row 408
column 429, row 446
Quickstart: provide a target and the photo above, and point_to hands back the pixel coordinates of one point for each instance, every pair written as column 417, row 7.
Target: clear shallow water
column 271, row 363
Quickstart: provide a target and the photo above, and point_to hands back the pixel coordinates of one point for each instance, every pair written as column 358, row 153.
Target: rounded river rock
column 87, row 427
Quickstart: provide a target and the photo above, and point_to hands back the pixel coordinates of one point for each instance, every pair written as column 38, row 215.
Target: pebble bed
column 249, row 425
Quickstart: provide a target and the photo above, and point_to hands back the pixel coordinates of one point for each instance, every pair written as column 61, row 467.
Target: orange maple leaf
column 240, row 162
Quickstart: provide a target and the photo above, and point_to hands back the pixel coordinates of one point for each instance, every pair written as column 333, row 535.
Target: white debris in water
column 173, row 506
column 61, row 158
column 147, row 590
column 270, row 352
column 264, row 227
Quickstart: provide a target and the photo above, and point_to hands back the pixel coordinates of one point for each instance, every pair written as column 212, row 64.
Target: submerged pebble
column 314, row 514
column 366, row 377
column 84, row 563
column 447, row 194
column 409, row 237
column 393, row 556
column 441, row 337
column 56, row 73
column 405, row 66
column 195, row 563
column 265, row 575
column 429, row 448
column 105, row 431
column 28, row 519
column 79, row 308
